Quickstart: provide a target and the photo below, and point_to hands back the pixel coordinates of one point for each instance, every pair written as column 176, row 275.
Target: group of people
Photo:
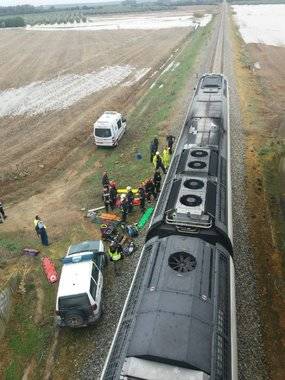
column 161, row 161
column 148, row 190
column 112, row 200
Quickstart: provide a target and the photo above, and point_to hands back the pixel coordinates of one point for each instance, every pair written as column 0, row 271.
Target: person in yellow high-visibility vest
column 41, row 230
column 158, row 162
column 166, row 157
column 115, row 254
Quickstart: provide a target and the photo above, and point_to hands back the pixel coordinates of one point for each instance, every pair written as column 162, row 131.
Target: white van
column 109, row 128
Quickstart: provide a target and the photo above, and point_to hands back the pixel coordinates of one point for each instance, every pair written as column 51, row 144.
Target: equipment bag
column 132, row 231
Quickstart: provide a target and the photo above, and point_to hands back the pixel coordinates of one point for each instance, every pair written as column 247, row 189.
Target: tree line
column 30, row 9
column 12, row 22
column 18, row 9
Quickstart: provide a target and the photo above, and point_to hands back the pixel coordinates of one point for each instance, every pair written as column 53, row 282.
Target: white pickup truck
column 109, row 128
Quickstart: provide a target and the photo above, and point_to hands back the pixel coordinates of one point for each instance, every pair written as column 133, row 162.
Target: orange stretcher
column 109, row 216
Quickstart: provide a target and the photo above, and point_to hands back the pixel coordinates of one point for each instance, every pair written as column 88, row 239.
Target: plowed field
column 53, row 86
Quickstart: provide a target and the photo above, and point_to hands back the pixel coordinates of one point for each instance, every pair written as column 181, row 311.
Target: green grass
column 24, row 339
column 10, row 245
column 270, row 155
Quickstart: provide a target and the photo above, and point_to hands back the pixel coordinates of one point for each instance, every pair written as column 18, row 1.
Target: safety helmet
column 123, row 196
column 157, row 153
column 129, row 188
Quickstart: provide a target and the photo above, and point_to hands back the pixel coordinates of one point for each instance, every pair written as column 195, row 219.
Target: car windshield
column 76, row 301
column 103, row 132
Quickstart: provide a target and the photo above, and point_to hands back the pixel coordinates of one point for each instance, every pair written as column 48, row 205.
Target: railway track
column 217, row 59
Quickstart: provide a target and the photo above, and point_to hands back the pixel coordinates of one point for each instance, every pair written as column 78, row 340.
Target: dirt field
column 262, row 98
column 272, row 75
column 33, row 147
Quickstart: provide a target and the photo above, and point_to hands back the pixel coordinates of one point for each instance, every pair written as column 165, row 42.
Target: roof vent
column 182, row 262
column 199, row 153
column 193, row 184
column 197, row 165
column 191, row 200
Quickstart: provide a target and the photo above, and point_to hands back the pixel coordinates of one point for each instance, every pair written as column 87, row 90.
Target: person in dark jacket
column 41, row 230
column 106, row 198
column 130, row 198
column 142, row 197
column 105, row 179
column 170, row 141
column 124, row 208
column 153, row 148
column 113, row 195
column 150, row 189
column 157, row 181
column 2, row 212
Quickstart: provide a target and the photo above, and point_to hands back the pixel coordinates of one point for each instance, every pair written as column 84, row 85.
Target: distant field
column 74, row 15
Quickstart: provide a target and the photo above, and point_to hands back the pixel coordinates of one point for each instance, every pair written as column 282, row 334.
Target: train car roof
column 175, row 320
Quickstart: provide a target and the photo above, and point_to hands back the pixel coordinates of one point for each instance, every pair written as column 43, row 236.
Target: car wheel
column 74, row 320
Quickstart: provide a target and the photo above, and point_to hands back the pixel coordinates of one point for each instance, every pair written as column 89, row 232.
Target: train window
column 212, row 81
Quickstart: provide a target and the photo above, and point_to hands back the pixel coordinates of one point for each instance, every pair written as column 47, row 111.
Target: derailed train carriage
column 179, row 321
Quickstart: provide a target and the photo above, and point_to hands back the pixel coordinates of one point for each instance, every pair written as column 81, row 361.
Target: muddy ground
column 272, row 77
column 261, row 76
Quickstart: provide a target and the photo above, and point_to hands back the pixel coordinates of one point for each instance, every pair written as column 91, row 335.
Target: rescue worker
column 124, row 208
column 41, row 230
column 157, row 181
column 130, row 199
column 157, row 162
column 105, row 179
column 153, row 148
column 106, row 198
column 142, row 197
column 3, row 216
column 166, row 157
column 150, row 189
column 113, row 194
column 170, row 141
column 115, row 254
